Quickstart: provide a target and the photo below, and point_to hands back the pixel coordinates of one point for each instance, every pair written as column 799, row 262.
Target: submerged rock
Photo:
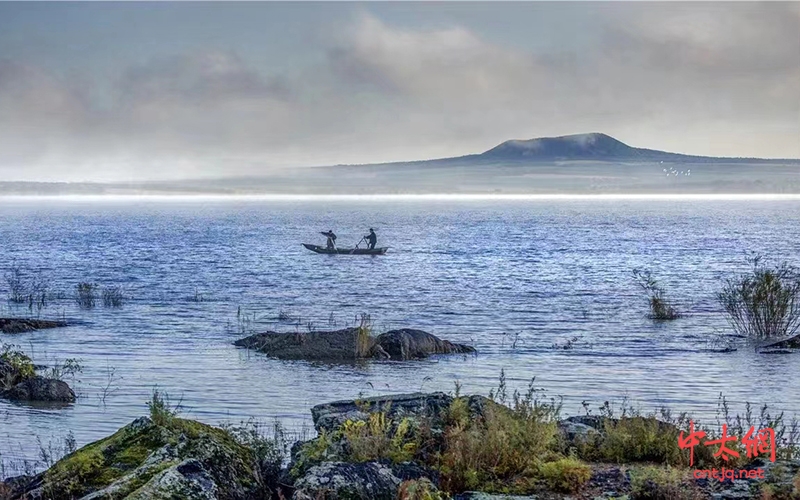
column 40, row 389
column 178, row 459
column 20, row 325
column 342, row 345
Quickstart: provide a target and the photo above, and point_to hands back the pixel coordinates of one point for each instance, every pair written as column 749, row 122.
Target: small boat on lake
column 346, row 251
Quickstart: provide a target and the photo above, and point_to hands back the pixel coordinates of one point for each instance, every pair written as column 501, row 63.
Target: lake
column 519, row 279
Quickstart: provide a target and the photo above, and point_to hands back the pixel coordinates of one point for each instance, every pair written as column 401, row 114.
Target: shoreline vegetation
column 421, row 446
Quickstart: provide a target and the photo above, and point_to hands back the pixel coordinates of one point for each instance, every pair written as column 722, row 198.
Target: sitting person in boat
column 371, row 238
column 330, row 244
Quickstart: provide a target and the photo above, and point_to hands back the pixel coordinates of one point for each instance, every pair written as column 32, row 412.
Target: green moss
column 103, row 462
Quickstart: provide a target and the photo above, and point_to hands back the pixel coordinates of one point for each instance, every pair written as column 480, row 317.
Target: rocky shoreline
column 412, row 439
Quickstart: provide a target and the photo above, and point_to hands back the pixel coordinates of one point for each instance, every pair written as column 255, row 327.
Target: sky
column 138, row 91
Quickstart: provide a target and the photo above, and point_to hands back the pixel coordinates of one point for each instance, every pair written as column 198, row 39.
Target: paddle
column 359, row 242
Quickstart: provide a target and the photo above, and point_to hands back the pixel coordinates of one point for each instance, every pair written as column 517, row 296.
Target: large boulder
column 420, row 410
column 330, row 416
column 408, row 343
column 356, row 481
column 177, row 459
column 342, row 345
column 20, row 325
column 40, row 389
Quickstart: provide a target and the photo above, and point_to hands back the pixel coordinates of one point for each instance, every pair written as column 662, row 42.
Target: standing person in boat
column 371, row 238
column 330, row 244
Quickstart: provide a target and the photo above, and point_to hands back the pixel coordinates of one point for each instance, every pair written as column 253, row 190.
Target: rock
column 41, row 389
column 188, row 479
column 354, row 481
column 410, row 344
column 331, row 416
column 9, row 374
column 179, row 459
column 478, row 495
column 580, row 430
column 20, row 325
column 338, row 345
column 341, row 345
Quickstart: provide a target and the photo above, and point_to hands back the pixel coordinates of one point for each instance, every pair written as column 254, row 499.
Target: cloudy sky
column 130, row 91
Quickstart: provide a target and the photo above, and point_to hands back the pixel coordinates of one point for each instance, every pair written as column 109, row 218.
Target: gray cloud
column 701, row 78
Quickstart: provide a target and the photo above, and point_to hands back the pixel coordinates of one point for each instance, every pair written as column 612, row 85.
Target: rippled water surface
column 512, row 278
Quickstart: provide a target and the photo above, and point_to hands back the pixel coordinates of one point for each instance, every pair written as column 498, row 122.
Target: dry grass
column 363, row 336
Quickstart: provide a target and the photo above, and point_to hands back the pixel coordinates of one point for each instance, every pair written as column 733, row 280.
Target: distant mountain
column 595, row 146
column 584, row 163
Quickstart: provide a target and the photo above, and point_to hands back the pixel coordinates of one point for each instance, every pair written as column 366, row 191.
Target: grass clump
column 501, row 449
column 660, row 308
column 567, row 474
column 763, row 304
column 641, row 439
column 269, row 444
column 377, row 438
column 662, row 483
column 21, row 365
column 363, row 335
column 86, row 295
column 419, row 489
column 162, row 413
column 113, row 296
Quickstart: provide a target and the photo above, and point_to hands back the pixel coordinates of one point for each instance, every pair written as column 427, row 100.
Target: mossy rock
column 129, row 461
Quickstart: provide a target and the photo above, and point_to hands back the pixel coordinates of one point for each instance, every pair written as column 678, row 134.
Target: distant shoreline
column 407, row 197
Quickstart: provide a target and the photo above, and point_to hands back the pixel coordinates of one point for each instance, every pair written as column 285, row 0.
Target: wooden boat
column 346, row 251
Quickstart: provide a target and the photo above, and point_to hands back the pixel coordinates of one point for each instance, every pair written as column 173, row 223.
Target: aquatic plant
column 197, row 297
column 86, row 295
column 764, row 303
column 660, row 308
column 69, row 368
column 113, row 296
column 16, row 284
column 32, row 291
